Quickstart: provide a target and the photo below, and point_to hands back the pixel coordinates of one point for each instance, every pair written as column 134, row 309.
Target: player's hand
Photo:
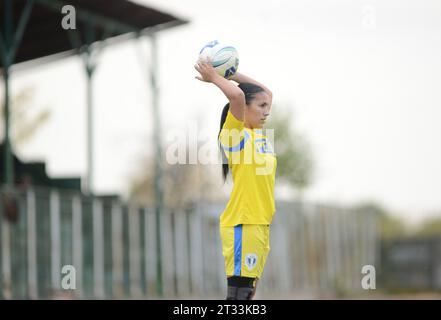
column 206, row 70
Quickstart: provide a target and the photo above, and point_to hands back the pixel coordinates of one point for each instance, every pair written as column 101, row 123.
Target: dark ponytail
column 224, row 157
column 250, row 91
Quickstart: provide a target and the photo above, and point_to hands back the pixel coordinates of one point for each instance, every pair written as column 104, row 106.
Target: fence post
column 1, row 248
column 196, row 248
column 54, row 205
column 32, row 244
column 98, row 249
column 150, row 249
column 181, row 250
column 134, row 252
column 189, row 251
column 303, row 246
column 330, row 249
column 117, row 252
column 77, row 242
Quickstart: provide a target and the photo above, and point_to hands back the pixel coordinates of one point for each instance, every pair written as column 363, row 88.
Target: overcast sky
column 362, row 79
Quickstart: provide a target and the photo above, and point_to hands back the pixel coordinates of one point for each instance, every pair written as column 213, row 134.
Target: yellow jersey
column 253, row 163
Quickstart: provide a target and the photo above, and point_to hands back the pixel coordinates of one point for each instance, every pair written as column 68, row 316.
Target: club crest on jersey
column 263, row 146
column 251, row 260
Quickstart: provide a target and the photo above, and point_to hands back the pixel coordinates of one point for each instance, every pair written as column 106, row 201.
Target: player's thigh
column 255, row 249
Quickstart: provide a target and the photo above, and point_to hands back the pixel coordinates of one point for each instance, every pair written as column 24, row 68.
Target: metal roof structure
column 39, row 33
column 33, row 30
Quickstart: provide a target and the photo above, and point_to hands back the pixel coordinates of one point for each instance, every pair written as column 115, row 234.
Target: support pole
column 9, row 44
column 6, row 57
column 159, row 187
column 90, row 168
column 90, row 65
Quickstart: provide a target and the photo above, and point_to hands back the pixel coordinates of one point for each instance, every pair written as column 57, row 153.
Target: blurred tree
column 389, row 225
column 23, row 127
column 295, row 163
column 184, row 184
column 430, row 227
column 23, row 124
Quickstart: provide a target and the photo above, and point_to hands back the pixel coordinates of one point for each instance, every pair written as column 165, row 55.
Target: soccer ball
column 224, row 59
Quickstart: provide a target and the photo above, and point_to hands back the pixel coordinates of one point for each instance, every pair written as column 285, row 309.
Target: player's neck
column 249, row 126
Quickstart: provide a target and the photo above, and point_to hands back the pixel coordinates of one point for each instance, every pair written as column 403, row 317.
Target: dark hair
column 250, row 91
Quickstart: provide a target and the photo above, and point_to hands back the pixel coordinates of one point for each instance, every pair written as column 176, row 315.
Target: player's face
column 257, row 112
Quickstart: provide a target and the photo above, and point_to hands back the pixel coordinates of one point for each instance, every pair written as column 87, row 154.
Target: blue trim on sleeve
column 239, row 146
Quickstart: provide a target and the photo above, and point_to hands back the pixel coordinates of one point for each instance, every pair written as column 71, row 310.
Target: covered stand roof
column 44, row 36
column 31, row 32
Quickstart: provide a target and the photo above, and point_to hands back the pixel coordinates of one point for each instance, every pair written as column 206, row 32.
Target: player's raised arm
column 234, row 94
column 241, row 78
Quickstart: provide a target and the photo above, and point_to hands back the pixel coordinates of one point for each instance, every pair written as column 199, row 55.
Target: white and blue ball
column 224, row 58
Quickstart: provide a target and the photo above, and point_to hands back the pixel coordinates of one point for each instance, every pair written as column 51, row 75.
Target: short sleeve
column 232, row 136
column 231, row 122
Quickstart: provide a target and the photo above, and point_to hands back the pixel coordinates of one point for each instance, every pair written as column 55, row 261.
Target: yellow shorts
column 245, row 248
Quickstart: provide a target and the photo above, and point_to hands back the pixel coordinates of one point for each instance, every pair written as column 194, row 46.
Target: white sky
column 362, row 79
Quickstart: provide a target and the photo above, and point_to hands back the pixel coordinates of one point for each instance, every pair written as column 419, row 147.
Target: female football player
column 245, row 222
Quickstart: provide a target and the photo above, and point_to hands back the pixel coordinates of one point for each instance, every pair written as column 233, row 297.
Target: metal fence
column 412, row 264
column 112, row 247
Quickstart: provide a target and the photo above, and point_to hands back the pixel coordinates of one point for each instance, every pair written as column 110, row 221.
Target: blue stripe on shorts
column 237, row 249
